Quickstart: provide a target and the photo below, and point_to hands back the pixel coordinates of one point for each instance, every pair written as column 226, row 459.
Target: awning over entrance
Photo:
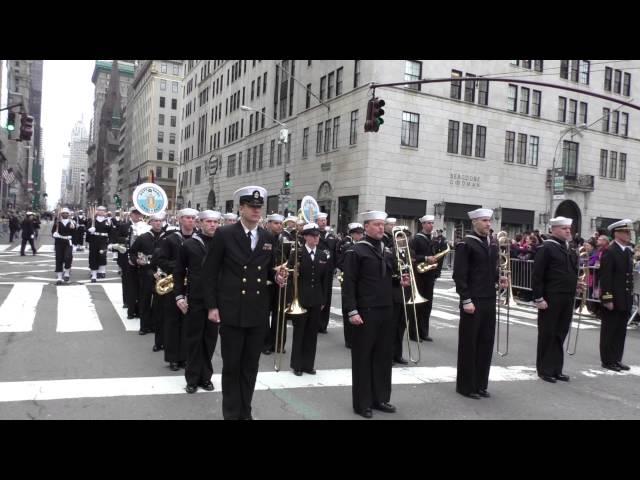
column 458, row 210
column 405, row 207
column 517, row 216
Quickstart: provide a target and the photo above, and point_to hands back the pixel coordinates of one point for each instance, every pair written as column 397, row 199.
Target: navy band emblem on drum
column 150, row 198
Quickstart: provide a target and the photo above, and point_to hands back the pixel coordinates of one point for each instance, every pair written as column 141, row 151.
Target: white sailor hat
column 625, row 224
column 65, row 210
column 355, row 226
column 275, row 217
column 373, row 215
column 480, row 213
column 252, row 195
column 102, row 207
column 390, row 220
column 187, row 212
column 230, row 216
column 157, row 216
column 311, row 229
column 290, row 218
column 427, row 218
column 322, row 215
column 209, row 214
column 29, row 213
column 560, row 222
column 131, row 210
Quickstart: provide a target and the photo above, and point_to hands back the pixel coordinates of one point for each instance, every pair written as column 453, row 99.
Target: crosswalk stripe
column 41, row 249
column 18, row 311
column 76, row 312
column 114, row 293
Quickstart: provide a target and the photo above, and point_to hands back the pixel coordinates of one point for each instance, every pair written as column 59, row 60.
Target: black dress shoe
column 297, row 373
column 208, row 386
column 548, row 378
column 157, row 348
column 484, row 393
column 324, row 330
column 384, row 407
column 561, row 377
column 130, row 317
column 191, row 389
column 401, row 361
column 93, row 280
column 366, row 413
column 267, row 351
column 622, row 366
column 58, row 282
column 427, row 339
column 174, row 366
column 310, row 372
column 182, row 364
column 613, row 367
column 141, row 332
column 347, row 345
column 473, row 395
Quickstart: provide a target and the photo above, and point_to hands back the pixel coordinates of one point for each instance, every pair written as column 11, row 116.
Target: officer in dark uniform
column 28, row 233
column 130, row 270
column 367, row 296
column 63, row 231
column 98, row 240
column 356, row 232
column 616, row 285
column 81, row 228
column 201, row 334
column 328, row 243
column 119, row 245
column 313, row 268
column 238, row 265
column 475, row 274
column 169, row 315
column 425, row 247
column 141, row 253
column 554, row 281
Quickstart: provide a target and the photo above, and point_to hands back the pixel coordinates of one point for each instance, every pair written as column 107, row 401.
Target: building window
column 536, row 101
column 264, row 83
column 522, row 149
column 305, row 142
column 323, row 83
column 452, row 138
column 176, row 69
column 564, row 69
column 172, row 155
column 608, row 74
column 524, row 100
column 467, row 139
column 356, row 73
column 412, row 73
column 198, row 175
column 336, row 132
column 585, row 68
column 308, row 100
column 615, row 115
column 327, row 135
column 574, row 70
column 483, row 92
column 534, row 144
column 173, row 120
column 617, row 79
column 573, row 111
column 231, row 165
column 455, row 84
column 481, row 141
column 626, row 86
column 260, row 156
column 159, row 154
column 353, row 131
column 248, row 169
column 562, row 109
column 158, row 172
column 330, row 85
column 583, row 113
column 174, row 87
column 239, row 163
column 255, row 157
column 613, row 164
column 258, row 87
column 161, row 119
column 410, row 127
column 570, row 158
column 526, row 64
column 537, row 65
column 162, row 100
column 319, row 139
column 605, row 120
column 163, row 85
column 624, row 124
column 339, row 81
column 272, row 151
column 160, row 137
column 622, row 172
column 512, row 98
column 251, row 123
column 470, row 89
column 279, row 159
column 604, row 155
column 174, row 104
column 509, row 147
column 170, row 172
column 163, row 68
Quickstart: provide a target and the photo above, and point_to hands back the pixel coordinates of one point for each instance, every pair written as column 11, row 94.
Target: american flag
column 8, row 175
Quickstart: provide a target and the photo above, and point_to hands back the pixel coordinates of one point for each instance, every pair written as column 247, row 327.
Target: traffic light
column 117, row 201
column 11, row 121
column 378, row 112
column 368, row 123
column 26, row 127
column 287, row 180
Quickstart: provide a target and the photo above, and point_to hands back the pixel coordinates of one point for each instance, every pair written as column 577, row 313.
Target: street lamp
column 438, row 208
column 250, row 109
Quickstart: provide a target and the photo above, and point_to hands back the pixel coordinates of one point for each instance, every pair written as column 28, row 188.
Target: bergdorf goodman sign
column 464, row 180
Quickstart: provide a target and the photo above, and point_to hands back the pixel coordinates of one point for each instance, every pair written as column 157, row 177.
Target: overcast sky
column 67, row 96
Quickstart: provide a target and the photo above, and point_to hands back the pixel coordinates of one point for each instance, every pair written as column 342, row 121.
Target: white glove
column 92, row 230
column 32, row 236
column 56, row 235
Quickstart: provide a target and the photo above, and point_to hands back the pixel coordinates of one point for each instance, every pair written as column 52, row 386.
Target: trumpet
column 504, row 247
column 403, row 258
column 424, row 267
column 583, row 278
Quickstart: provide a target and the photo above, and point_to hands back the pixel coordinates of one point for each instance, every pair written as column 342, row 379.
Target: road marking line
column 41, row 248
column 76, row 312
column 18, row 311
column 114, row 293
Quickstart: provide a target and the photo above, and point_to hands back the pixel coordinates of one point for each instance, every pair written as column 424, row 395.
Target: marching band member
column 367, row 296
column 554, row 281
column 355, row 234
column 616, row 285
column 63, row 231
column 240, row 261
column 230, row 218
column 328, row 244
column 314, row 267
column 389, row 223
column 425, row 248
column 201, row 335
column 98, row 239
column 140, row 254
column 169, row 315
column 81, row 227
column 475, row 274
column 28, row 234
column 131, row 280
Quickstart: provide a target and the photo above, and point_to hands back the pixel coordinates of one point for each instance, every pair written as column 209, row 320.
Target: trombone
column 583, row 278
column 504, row 249
column 405, row 265
column 281, row 317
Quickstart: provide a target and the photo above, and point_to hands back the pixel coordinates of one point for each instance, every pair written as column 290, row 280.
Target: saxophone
column 425, row 267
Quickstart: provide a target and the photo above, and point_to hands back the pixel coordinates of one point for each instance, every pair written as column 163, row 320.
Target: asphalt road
column 68, row 352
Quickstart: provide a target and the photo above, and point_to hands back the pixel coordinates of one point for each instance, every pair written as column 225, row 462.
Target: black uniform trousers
column 174, row 348
column 123, row 263
column 423, row 309
column 240, row 349
column 63, row 255
column 326, row 313
column 12, row 233
column 146, row 283
column 475, row 346
column 553, row 326
column 78, row 237
column 613, row 332
column 201, row 337
column 372, row 357
column 348, row 328
column 158, row 306
column 133, row 286
column 400, row 326
column 305, row 339
column 97, row 259
column 270, row 337
column 24, row 245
